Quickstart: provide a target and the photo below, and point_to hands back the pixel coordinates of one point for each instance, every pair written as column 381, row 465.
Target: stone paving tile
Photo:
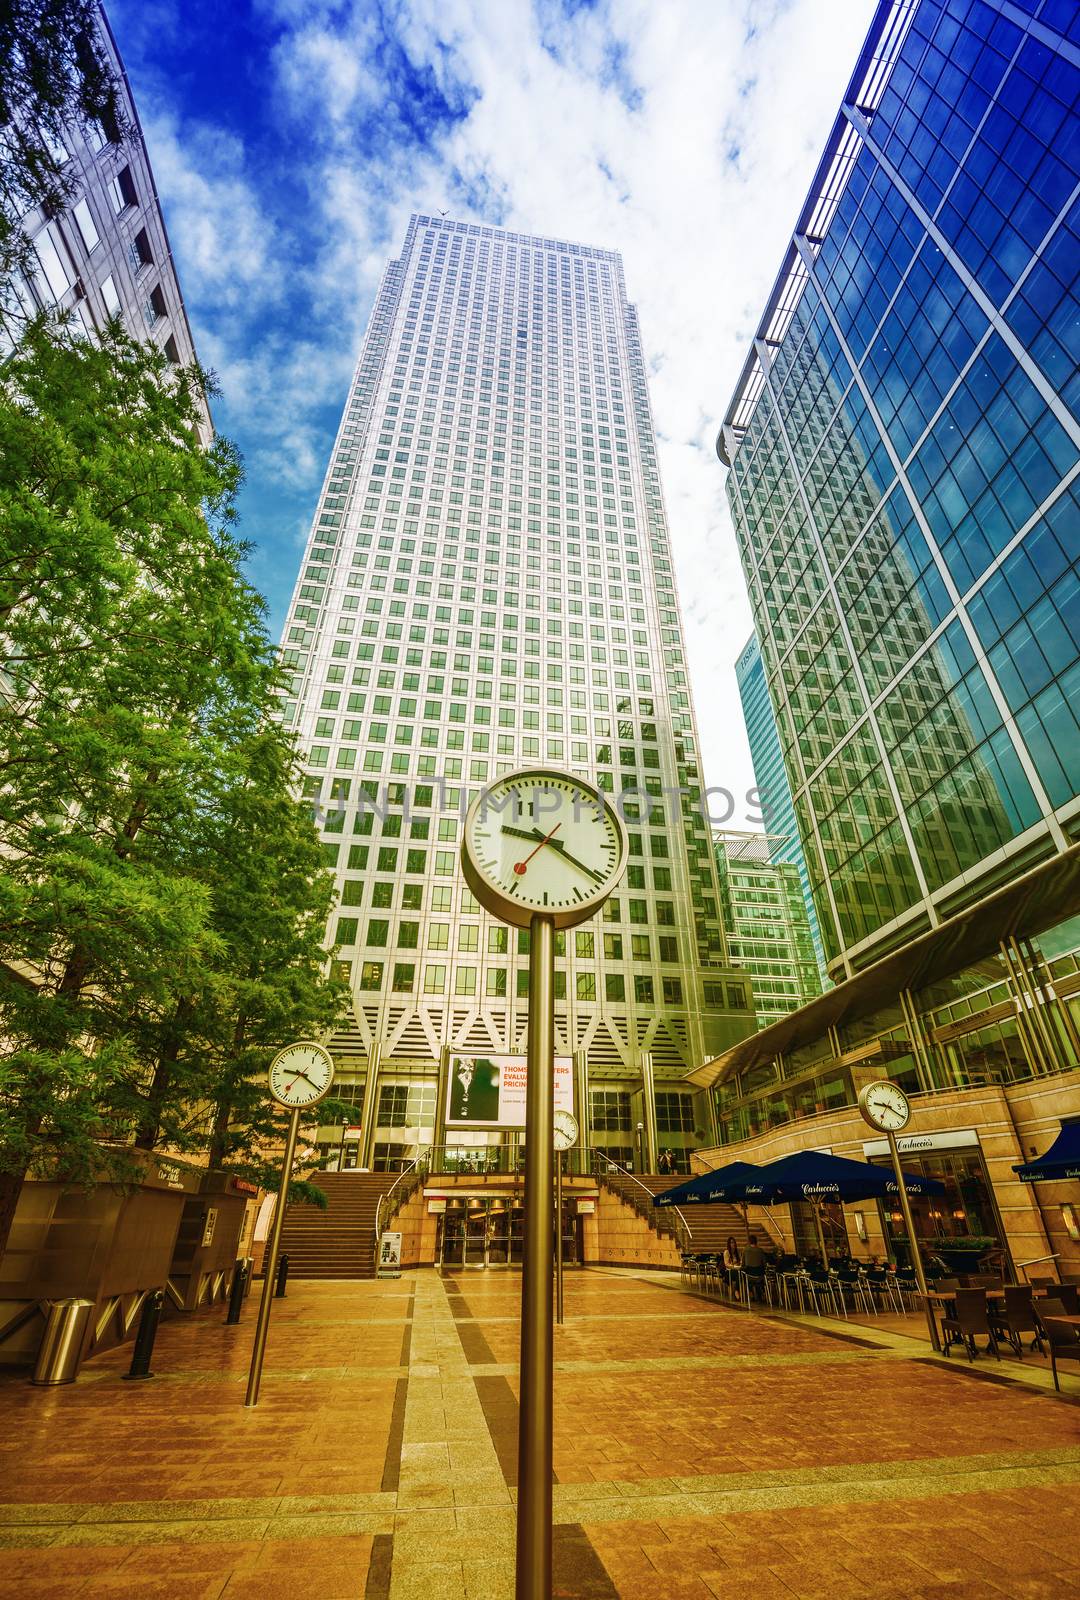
column 699, row 1452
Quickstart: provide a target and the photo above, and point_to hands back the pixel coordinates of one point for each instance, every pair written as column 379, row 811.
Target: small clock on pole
column 299, row 1077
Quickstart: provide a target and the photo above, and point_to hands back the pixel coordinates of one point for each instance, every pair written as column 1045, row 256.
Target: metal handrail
column 648, row 1215
column 413, row 1171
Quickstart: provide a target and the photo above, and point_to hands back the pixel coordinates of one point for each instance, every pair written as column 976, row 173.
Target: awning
column 1062, row 1160
column 812, row 1175
column 720, row 1184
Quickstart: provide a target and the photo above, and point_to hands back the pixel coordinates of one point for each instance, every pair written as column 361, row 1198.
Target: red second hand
column 519, row 866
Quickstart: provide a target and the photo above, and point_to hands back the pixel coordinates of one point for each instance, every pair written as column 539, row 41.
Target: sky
column 291, row 140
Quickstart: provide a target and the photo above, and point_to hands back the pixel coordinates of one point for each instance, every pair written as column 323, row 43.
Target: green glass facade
column 904, row 448
column 770, row 776
column 769, row 934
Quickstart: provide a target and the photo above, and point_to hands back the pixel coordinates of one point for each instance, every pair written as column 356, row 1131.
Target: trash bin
column 61, row 1348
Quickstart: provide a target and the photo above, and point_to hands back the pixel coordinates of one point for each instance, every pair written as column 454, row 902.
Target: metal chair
column 969, row 1318
column 1016, row 1318
column 1064, row 1342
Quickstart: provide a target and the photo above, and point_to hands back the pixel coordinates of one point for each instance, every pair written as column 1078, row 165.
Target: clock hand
column 556, row 844
column 520, row 866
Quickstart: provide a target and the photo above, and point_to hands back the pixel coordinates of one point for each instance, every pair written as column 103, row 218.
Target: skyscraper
column 489, row 584
column 904, row 446
column 771, row 779
column 904, row 442
column 766, row 916
column 108, row 253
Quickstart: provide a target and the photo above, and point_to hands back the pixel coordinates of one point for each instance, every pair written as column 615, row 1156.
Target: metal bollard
column 249, row 1274
column 144, row 1339
column 62, row 1346
column 282, row 1278
column 236, row 1293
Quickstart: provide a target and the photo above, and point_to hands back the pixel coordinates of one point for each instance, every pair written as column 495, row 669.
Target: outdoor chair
column 1069, row 1295
column 850, row 1281
column 1064, row 1342
column 819, row 1290
column 755, row 1286
column 969, row 1318
column 1016, row 1318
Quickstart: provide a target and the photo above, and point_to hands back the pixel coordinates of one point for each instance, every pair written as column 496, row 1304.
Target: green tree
column 138, row 764
column 54, row 72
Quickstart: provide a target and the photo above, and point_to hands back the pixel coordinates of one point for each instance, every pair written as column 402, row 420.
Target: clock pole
column 558, row 1239
column 270, row 1264
column 533, row 1572
column 916, row 1253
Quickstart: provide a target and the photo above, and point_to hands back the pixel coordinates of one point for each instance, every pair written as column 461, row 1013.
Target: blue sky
column 291, row 140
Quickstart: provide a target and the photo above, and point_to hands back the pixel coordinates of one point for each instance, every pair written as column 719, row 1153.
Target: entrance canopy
column 722, row 1184
column 1062, row 1160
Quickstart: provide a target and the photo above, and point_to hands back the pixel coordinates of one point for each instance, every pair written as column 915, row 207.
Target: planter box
column 110, row 1245
column 207, row 1243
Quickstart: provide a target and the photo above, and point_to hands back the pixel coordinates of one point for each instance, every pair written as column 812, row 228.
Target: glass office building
column 904, row 445
column 768, row 926
column 488, row 584
column 770, row 776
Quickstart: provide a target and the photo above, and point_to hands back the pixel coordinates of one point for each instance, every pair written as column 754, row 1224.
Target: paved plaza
column 699, row 1451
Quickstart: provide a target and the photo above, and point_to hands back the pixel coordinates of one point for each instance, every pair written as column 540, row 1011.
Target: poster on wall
column 489, row 1091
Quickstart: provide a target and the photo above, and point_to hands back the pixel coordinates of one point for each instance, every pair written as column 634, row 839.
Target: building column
column 706, row 1100
column 367, row 1113
column 581, row 1095
column 441, row 1095
column 651, row 1154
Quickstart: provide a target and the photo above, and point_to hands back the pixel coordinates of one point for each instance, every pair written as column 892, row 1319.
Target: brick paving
column 699, row 1451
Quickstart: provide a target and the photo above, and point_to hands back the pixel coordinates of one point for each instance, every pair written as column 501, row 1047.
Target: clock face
column 301, row 1074
column 565, row 1130
column 885, row 1105
column 542, row 842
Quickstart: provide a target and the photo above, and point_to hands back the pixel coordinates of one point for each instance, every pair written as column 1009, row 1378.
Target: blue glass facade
column 905, row 483
column 770, row 776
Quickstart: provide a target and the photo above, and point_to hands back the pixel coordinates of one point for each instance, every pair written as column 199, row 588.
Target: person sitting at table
column 753, row 1264
column 732, row 1263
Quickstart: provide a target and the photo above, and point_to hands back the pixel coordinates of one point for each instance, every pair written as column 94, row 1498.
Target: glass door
column 452, row 1239
column 499, row 1234
column 476, row 1236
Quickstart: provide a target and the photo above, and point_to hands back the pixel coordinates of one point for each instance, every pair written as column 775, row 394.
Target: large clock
column 301, row 1074
column 541, row 842
column 884, row 1105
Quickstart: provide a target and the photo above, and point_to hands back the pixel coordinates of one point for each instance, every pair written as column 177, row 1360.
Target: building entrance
column 480, row 1231
column 488, row 1231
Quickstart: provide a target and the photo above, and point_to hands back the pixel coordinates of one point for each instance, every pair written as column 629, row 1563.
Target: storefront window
column 960, row 1229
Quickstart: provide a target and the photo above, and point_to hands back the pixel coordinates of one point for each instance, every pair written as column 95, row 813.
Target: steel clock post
column 565, row 1132
column 541, row 850
column 886, row 1107
column 299, row 1076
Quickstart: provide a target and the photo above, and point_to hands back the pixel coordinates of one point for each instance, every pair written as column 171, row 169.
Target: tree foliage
column 162, row 903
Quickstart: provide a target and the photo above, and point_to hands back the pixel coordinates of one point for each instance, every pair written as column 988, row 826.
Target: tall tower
column 107, row 253
column 488, row 584
column 904, row 443
column 774, row 791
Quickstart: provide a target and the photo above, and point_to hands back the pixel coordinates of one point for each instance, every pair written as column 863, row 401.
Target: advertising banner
column 489, row 1091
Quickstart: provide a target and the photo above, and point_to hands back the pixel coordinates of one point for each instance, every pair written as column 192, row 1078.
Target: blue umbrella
column 1062, row 1160
column 722, row 1184
column 812, row 1175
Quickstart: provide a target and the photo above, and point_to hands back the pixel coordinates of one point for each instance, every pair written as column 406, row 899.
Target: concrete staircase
column 708, row 1227
column 340, row 1241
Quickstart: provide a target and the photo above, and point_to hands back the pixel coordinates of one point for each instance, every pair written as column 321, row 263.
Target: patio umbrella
column 720, row 1184
column 1062, row 1160
column 812, row 1175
